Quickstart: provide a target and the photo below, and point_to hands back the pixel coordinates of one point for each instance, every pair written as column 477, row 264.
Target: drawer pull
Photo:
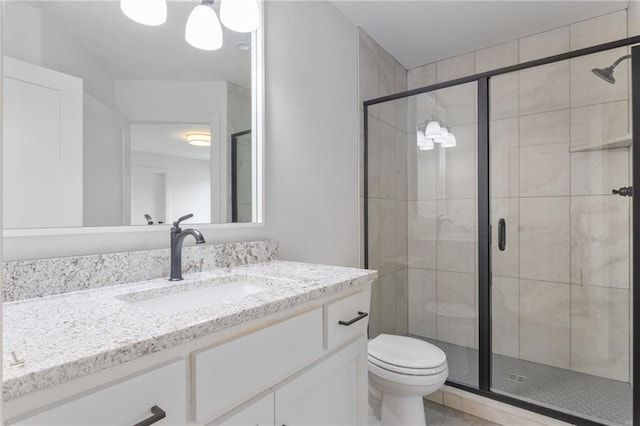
column 157, row 414
column 356, row 319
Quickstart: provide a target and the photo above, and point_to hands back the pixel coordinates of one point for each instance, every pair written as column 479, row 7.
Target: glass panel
column 423, row 223
column 560, row 142
column 241, row 179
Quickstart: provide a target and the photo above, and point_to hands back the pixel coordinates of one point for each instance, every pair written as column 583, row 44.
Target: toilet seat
column 407, row 370
column 406, row 355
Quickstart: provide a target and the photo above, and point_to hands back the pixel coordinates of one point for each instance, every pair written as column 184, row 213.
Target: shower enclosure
column 499, row 213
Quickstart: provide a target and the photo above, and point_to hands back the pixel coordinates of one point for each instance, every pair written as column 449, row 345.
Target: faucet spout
column 177, row 239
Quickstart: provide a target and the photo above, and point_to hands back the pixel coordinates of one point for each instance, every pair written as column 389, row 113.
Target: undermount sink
column 199, row 294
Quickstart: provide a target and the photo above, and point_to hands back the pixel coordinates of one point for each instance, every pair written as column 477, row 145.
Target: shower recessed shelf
column 620, row 142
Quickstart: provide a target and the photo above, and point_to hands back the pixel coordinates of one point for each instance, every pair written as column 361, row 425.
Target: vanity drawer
column 229, row 374
column 126, row 402
column 345, row 318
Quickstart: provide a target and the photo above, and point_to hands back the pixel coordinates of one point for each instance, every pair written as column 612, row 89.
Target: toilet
column 401, row 371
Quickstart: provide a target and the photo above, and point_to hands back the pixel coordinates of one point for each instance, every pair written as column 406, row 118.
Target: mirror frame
column 258, row 173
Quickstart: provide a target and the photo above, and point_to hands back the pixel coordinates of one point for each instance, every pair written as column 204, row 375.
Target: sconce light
column 146, row 12
column 433, row 129
column 450, row 142
column 424, row 143
column 435, row 132
column 242, row 16
column 443, row 136
column 199, row 139
column 203, row 29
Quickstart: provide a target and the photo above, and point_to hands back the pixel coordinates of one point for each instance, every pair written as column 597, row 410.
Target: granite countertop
column 71, row 335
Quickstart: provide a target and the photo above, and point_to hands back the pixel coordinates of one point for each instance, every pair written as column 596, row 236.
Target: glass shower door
column 442, row 225
column 560, row 142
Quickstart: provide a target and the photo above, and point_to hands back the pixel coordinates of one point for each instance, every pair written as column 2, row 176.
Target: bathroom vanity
column 256, row 344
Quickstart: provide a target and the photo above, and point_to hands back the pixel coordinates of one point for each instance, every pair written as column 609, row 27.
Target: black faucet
column 177, row 238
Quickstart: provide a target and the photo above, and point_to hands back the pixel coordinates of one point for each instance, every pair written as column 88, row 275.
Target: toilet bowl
column 401, row 371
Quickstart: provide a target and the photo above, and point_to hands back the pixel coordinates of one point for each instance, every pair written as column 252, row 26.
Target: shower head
column 607, row 73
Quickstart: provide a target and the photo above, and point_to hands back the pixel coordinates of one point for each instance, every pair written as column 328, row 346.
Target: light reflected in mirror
column 96, row 113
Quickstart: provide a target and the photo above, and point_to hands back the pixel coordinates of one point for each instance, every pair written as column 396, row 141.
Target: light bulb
column 450, row 142
column 432, row 130
column 242, row 16
column 203, row 28
column 424, row 143
column 147, row 12
column 443, row 136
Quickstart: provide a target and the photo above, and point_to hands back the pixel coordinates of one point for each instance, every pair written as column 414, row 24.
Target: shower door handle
column 625, row 191
column 502, row 234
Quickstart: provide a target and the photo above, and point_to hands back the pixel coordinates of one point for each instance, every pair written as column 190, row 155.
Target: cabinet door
column 333, row 392
column 260, row 413
column 124, row 403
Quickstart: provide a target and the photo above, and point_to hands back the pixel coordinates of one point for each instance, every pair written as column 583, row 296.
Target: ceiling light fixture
column 146, row 12
column 242, row 16
column 203, row 30
column 199, row 139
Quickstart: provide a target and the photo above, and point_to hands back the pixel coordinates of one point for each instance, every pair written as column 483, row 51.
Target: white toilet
column 401, row 371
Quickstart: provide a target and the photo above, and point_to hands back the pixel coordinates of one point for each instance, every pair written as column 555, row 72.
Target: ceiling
column 127, row 50
column 421, row 32
column 169, row 139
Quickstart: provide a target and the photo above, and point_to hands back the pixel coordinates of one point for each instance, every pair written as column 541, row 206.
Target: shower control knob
column 625, row 191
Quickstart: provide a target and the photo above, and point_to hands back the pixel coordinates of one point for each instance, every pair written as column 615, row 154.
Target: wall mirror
column 108, row 122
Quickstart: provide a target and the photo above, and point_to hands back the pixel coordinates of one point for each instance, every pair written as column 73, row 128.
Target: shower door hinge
column 625, row 191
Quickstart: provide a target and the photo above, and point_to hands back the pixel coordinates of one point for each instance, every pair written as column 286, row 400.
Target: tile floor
column 439, row 415
column 604, row 400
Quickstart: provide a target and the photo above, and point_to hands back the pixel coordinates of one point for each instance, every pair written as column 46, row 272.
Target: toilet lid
column 407, row 352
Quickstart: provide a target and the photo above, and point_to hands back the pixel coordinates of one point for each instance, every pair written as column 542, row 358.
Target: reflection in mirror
column 97, row 110
column 241, row 176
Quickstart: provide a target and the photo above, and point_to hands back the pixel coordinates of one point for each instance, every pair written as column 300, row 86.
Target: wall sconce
column 203, row 29
column 199, row 139
column 434, row 132
column 146, row 12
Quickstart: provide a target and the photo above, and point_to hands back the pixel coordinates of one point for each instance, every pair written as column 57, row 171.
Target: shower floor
column 603, row 400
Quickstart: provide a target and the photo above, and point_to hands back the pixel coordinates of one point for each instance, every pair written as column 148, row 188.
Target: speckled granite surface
column 66, row 336
column 44, row 277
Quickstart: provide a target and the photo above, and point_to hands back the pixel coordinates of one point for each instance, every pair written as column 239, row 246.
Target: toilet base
column 402, row 410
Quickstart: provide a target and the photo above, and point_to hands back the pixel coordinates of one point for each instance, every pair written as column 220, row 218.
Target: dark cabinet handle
column 502, row 234
column 356, row 319
column 157, row 414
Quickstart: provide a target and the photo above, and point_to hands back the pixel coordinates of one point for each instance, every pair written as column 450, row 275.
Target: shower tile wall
column 561, row 290
column 380, row 75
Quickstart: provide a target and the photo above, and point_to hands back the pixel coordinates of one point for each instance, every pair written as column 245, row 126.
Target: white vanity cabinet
column 305, row 366
column 227, row 375
column 258, row 413
column 126, row 402
column 330, row 393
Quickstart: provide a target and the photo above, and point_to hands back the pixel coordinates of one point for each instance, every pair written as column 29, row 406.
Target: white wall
column 311, row 144
column 312, row 132
column 187, row 186
column 106, row 171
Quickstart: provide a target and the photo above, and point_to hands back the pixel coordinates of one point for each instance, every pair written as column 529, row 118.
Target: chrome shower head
column 607, row 73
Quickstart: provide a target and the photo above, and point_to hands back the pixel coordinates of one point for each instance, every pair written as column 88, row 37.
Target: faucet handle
column 183, row 218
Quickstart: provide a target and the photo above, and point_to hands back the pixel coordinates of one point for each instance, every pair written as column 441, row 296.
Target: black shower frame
column 234, row 173
column 484, row 226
